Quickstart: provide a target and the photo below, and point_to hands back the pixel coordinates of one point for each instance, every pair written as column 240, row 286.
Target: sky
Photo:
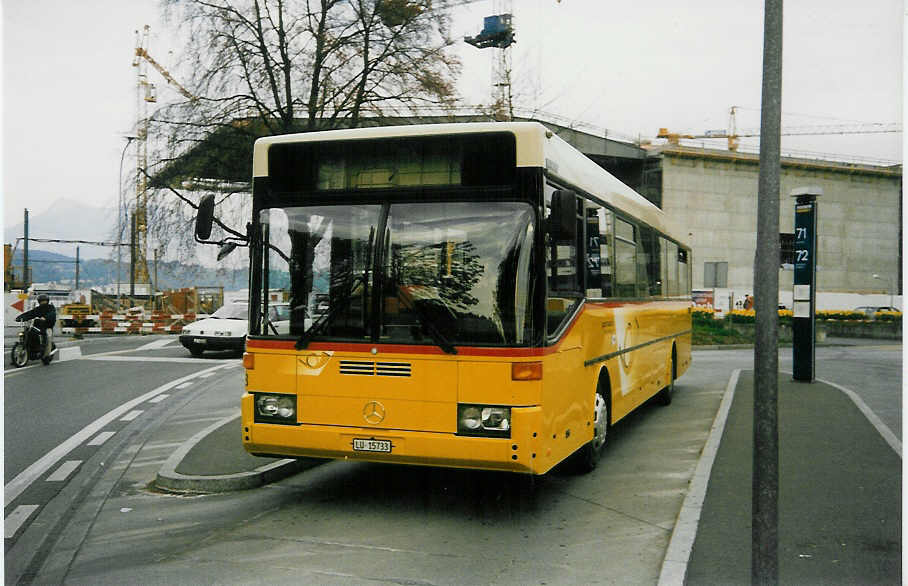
column 69, row 88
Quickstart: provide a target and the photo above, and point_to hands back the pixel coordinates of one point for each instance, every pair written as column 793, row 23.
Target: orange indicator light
column 248, row 361
column 526, row 371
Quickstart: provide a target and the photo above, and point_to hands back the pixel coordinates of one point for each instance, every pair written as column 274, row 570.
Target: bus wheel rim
column 600, row 423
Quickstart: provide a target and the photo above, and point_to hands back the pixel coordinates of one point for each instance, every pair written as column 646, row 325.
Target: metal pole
column 120, row 212
column 765, row 521
column 132, row 258
column 77, row 268
column 25, row 279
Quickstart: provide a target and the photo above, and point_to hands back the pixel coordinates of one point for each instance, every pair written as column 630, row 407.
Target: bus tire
column 587, row 457
column 665, row 395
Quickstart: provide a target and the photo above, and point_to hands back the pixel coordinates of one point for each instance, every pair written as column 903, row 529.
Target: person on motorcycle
column 45, row 315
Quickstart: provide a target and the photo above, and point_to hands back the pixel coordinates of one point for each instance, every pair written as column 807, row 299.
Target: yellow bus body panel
column 630, row 345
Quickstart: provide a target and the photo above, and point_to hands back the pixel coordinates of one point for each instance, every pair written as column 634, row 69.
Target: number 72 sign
column 805, row 243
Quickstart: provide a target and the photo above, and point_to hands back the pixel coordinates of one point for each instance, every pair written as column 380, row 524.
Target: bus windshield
column 440, row 273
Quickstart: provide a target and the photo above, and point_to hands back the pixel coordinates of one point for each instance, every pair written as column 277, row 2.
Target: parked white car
column 226, row 328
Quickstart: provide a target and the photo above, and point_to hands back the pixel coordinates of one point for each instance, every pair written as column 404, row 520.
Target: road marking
column 157, row 344
column 65, row 469
column 101, row 438
column 161, row 445
column 15, row 519
column 184, row 385
column 889, row 437
column 24, row 479
column 111, row 358
column 206, row 375
column 131, row 415
column 159, row 398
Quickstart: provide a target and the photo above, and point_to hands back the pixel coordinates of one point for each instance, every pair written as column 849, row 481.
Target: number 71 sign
column 805, row 270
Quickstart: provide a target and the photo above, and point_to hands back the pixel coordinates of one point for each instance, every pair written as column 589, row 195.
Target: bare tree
column 262, row 67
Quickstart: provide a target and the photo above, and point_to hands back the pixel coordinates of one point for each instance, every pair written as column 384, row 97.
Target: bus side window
column 593, row 254
column 606, row 238
column 671, row 269
column 562, row 264
column 651, row 263
column 625, row 259
column 683, row 272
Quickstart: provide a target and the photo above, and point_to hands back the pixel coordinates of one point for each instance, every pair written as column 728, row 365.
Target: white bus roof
column 537, row 146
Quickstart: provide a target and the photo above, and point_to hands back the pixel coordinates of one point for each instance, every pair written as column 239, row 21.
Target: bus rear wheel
column 665, row 395
column 587, row 457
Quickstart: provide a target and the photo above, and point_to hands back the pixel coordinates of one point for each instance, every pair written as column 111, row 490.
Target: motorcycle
column 30, row 345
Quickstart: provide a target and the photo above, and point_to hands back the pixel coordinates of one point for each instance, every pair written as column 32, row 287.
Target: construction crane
column 498, row 33
column 733, row 136
column 145, row 94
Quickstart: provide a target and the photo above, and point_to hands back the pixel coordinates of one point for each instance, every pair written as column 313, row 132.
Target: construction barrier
column 135, row 321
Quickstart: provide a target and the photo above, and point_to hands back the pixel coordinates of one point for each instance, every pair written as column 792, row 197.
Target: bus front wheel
column 588, row 455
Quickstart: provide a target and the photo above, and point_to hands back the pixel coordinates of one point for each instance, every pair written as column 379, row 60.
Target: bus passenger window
column 683, row 273
column 652, row 262
column 671, row 269
column 625, row 259
column 606, row 238
column 562, row 261
column 593, row 254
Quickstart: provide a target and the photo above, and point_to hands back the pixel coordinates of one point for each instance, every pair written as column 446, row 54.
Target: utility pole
column 120, row 212
column 25, row 279
column 765, row 511
column 132, row 257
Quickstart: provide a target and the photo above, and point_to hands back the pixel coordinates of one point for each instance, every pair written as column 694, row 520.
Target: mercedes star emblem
column 374, row 412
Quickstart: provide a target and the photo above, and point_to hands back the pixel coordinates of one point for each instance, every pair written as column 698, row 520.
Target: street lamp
column 129, row 139
column 889, row 280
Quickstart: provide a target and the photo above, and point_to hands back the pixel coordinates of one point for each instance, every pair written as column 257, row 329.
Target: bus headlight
column 483, row 420
column 275, row 408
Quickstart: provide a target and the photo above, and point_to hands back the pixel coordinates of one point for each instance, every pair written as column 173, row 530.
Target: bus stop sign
column 804, row 294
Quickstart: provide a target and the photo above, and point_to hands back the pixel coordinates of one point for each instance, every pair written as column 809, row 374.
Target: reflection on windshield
column 232, row 311
column 449, row 273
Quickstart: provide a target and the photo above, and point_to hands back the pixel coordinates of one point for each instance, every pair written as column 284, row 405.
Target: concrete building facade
column 713, row 193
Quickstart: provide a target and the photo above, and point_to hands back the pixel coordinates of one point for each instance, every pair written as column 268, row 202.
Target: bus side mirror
column 204, row 217
column 226, row 249
column 563, row 218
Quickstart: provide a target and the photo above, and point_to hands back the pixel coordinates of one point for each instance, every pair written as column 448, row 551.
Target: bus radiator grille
column 375, row 368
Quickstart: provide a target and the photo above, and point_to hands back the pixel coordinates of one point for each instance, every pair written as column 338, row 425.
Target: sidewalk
column 839, row 494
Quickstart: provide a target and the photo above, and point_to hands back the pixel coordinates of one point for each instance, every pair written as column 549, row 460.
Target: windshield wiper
column 338, row 305
column 440, row 339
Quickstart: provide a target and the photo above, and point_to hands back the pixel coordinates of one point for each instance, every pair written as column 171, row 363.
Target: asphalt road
column 356, row 523
column 58, row 418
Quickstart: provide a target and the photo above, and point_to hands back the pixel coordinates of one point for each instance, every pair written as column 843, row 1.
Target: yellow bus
column 461, row 295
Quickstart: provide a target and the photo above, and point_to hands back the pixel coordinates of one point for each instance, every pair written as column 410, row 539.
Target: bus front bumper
column 519, row 453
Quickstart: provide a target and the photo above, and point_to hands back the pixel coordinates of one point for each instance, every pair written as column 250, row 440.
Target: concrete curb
column 170, row 480
column 681, row 544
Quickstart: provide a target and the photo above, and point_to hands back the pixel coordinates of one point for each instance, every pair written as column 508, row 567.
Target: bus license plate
column 371, row 445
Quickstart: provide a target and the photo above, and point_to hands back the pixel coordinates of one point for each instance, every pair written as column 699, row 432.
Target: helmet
column 43, row 297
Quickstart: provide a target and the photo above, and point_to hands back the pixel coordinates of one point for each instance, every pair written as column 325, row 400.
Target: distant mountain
column 66, row 220
column 58, row 268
